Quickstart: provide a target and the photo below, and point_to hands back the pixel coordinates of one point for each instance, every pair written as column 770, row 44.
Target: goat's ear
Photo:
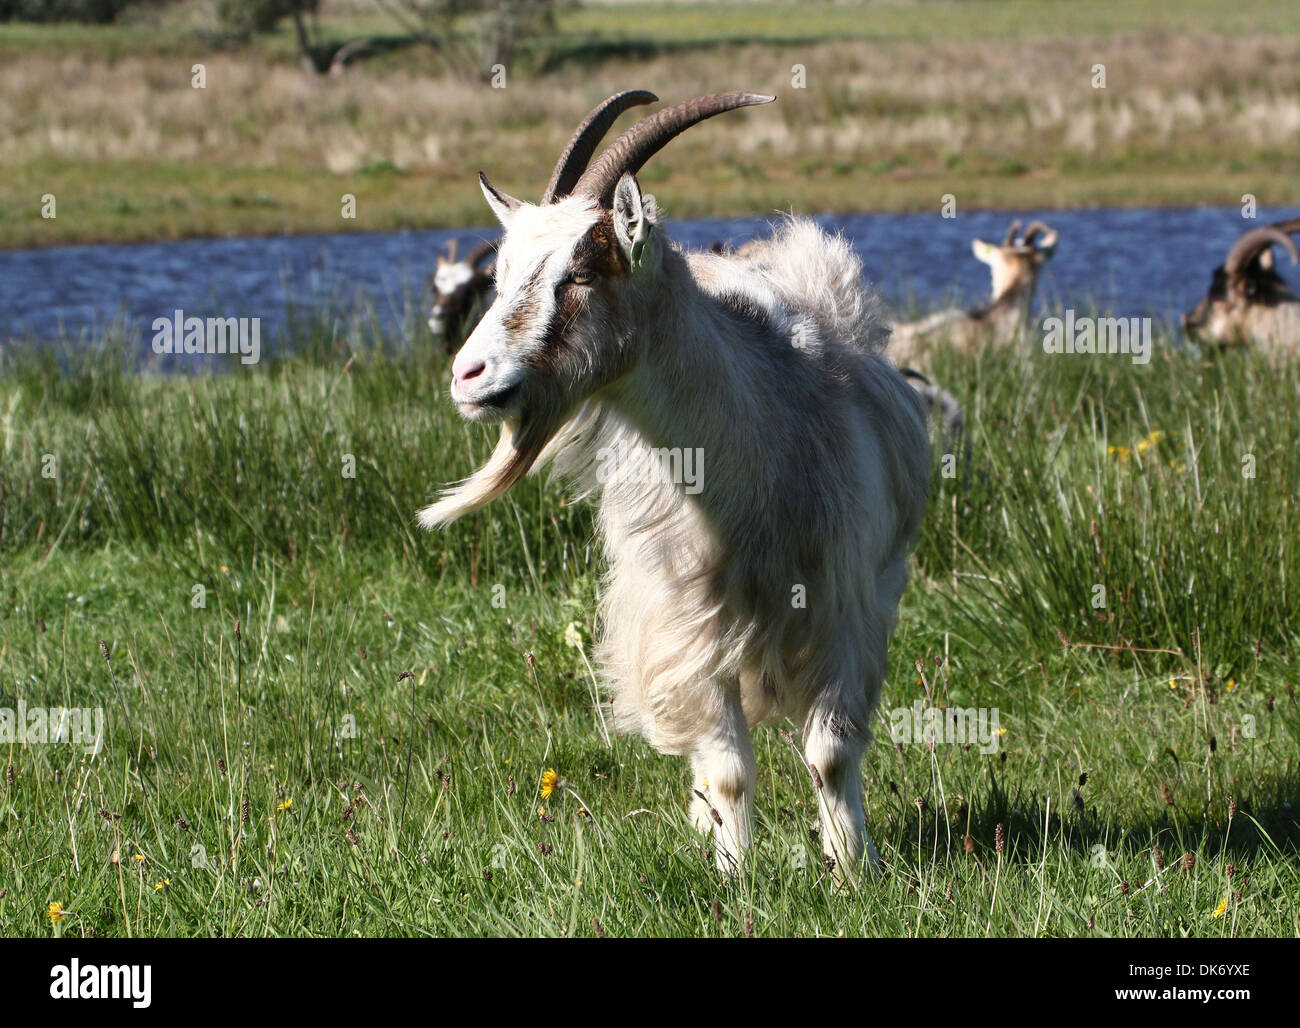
column 503, row 204
column 1265, row 259
column 631, row 225
column 1047, row 246
column 983, row 251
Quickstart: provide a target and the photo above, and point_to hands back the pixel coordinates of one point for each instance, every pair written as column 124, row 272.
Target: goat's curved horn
column 1247, row 248
column 573, row 162
column 480, row 253
column 1036, row 229
column 453, row 248
column 629, row 152
column 1010, row 238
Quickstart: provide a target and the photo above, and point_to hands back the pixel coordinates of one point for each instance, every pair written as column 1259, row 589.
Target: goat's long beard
column 520, row 444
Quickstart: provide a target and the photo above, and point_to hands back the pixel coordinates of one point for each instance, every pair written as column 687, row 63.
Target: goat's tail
column 820, row 276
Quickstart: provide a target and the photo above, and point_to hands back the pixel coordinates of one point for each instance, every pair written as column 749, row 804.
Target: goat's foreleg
column 833, row 746
column 724, row 772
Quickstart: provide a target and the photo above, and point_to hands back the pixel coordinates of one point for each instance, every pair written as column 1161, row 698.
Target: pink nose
column 464, row 370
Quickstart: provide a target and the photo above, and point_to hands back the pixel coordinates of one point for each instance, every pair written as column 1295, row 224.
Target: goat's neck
column 1009, row 312
column 1015, row 297
column 702, row 383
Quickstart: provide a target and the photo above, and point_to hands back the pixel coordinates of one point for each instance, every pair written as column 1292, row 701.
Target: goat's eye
column 582, row 278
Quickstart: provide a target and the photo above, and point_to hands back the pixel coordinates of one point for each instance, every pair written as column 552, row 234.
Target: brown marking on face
column 597, row 253
column 524, row 313
column 569, row 303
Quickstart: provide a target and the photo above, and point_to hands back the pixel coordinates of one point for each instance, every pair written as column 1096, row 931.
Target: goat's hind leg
column 724, row 772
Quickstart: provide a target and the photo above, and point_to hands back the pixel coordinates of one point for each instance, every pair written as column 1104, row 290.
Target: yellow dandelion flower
column 1223, row 905
column 549, row 781
column 56, row 913
column 160, row 886
column 286, row 804
column 1173, row 684
column 541, row 811
column 1232, row 684
column 1001, row 732
column 1151, row 440
column 139, row 858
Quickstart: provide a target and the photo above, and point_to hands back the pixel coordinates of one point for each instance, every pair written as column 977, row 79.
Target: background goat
column 1014, row 267
column 1248, row 301
column 462, row 289
column 769, row 586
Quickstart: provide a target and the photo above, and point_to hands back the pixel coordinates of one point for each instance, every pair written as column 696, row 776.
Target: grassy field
column 902, row 103
column 269, row 769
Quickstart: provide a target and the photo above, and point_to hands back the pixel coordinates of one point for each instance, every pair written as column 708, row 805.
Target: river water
column 1129, row 262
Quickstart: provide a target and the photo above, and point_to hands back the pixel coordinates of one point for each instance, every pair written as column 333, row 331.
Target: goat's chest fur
column 756, row 524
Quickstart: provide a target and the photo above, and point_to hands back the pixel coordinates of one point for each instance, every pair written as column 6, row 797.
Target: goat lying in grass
column 1014, row 267
column 768, row 586
column 1248, row 302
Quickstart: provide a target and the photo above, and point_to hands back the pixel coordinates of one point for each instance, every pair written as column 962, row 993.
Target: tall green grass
column 278, row 774
column 1149, row 506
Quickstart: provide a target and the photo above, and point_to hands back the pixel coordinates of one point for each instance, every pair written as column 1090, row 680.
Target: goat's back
column 811, row 273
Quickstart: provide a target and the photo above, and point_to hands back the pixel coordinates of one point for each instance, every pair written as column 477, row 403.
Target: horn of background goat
column 629, row 152
column 1010, row 238
column 1249, row 245
column 480, row 253
column 1035, row 229
column 573, row 161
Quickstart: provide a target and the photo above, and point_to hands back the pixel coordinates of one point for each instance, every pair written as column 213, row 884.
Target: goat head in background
column 462, row 290
column 1248, row 301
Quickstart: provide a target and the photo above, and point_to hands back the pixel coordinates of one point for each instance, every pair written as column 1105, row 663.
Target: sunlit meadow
column 322, row 721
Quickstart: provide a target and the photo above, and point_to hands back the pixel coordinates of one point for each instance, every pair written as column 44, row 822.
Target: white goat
column 767, row 587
